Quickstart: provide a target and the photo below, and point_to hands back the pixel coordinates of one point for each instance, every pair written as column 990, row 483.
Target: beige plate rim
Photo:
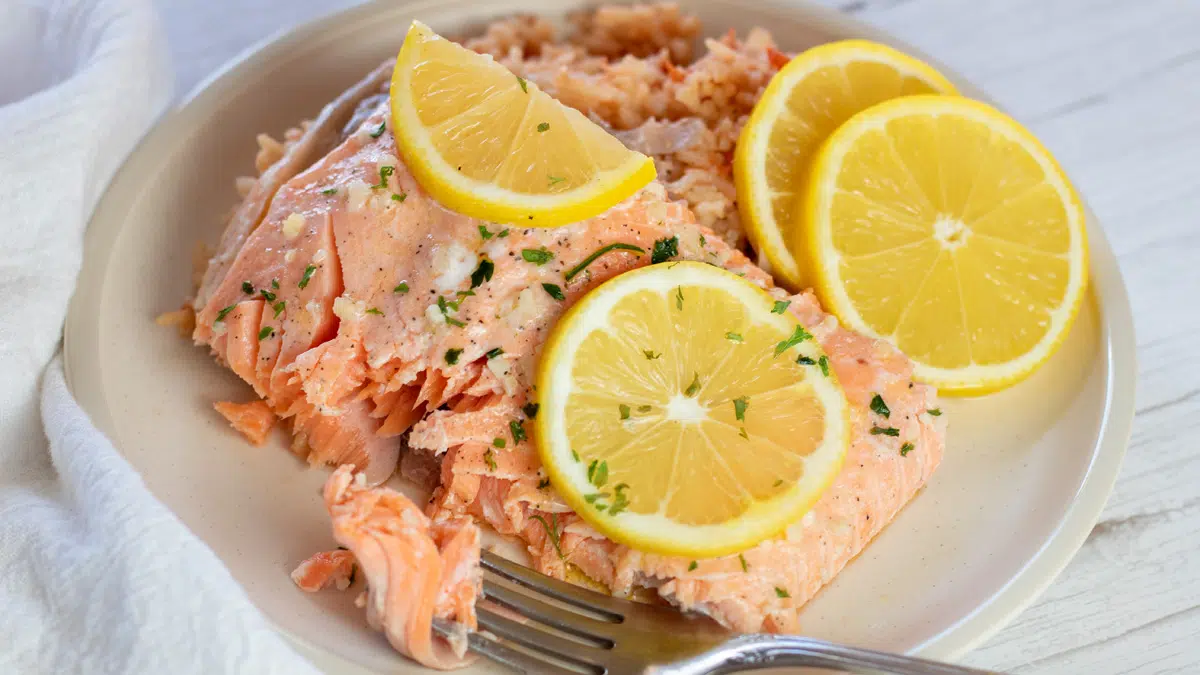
column 83, row 330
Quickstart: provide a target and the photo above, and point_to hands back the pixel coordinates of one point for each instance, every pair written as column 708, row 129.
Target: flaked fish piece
column 253, row 420
column 324, row 570
column 416, row 570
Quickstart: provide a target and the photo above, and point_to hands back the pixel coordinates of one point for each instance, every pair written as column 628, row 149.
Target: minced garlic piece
column 292, row 225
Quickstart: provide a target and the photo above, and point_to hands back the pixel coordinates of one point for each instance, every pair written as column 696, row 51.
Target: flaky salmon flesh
column 388, row 331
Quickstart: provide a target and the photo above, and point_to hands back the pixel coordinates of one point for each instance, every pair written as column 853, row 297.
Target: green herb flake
column 308, row 273
column 739, row 407
column 574, row 455
column 551, row 530
column 503, row 233
column 624, row 410
column 543, row 483
column 329, row 191
column 619, row 246
column 885, row 431
column 703, row 241
column 742, row 433
column 905, row 449
column 554, row 291
column 247, row 288
column 824, row 363
column 692, row 567
column 482, row 273
column 600, row 477
column 499, row 442
column 781, row 592
column 644, row 408
column 384, row 173
column 664, row 249
column 538, row 256
column 780, row 306
column 376, row 311
column 266, row 332
column 278, row 308
column 733, row 337
column 678, row 297
column 879, row 407
column 620, row 500
column 490, row 458
column 530, row 410
column 455, row 322
column 544, row 126
column 493, row 353
column 798, row 335
column 742, row 559
column 399, row 197
column 778, row 483
column 524, row 85
column 483, row 232
column 267, row 295
column 275, row 284
column 936, row 412
column 379, row 130
column 452, row 355
column 555, row 180
column 651, row 354
column 401, row 287
column 806, row 361
column 224, row 313
column 517, row 429
column 694, row 387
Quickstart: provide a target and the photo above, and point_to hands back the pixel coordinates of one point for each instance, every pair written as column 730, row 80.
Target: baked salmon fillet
column 393, row 335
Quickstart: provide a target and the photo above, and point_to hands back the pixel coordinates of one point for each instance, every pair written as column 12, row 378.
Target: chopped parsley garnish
column 624, row 410
column 597, row 472
column 490, row 458
column 554, row 291
column 329, row 191
column 678, row 297
column 265, row 333
column 275, row 284
column 499, row 442
column 544, row 126
column 905, row 449
column 401, row 287
column 824, row 363
column 644, row 408
column 537, row 256
column 742, row 559
column 384, row 173
column 879, row 407
column 703, row 241
column 739, row 407
column 452, row 355
column 692, row 567
column 543, row 483
column 483, row 232
column 379, row 130
column 517, row 429
column 733, row 337
column 799, row 335
column 664, row 249
column 308, row 272
column 806, row 361
column 375, row 310
column 555, row 180
column 651, row 354
column 778, row 483
column 694, row 387
column 399, row 197
column 493, row 353
column 780, row 306
column 574, row 455
column 742, row 433
column 885, row 431
column 503, row 233
column 267, row 295
column 620, row 501
column 247, row 288
column 936, row 412
column 530, row 410
column 224, row 313
column 551, row 530
column 482, row 273
column 619, row 246
column 781, row 592
column 454, row 322
column 278, row 308
column 524, row 86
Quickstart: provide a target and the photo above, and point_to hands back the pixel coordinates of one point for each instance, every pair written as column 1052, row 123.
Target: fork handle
column 752, row 652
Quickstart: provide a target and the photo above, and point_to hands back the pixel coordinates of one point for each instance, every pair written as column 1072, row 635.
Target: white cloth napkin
column 96, row 576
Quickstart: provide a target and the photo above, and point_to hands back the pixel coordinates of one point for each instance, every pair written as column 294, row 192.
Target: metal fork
column 540, row 625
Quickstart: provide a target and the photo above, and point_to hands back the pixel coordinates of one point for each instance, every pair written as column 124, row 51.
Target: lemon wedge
column 803, row 103
column 686, row 412
column 491, row 145
column 941, row 224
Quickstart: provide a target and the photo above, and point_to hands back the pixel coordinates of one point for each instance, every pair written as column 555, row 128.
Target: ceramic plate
column 1026, row 470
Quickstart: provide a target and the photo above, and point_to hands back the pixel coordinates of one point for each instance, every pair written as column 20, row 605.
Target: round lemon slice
column 941, row 224
column 686, row 412
column 491, row 145
column 803, row 103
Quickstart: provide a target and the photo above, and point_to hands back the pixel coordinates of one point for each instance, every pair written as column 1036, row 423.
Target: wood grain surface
column 1113, row 88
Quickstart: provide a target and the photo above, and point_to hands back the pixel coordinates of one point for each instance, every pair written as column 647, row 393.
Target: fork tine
column 530, row 606
column 611, row 608
column 521, row 661
column 540, row 640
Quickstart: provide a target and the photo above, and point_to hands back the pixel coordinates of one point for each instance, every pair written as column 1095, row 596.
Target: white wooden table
column 1113, row 89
